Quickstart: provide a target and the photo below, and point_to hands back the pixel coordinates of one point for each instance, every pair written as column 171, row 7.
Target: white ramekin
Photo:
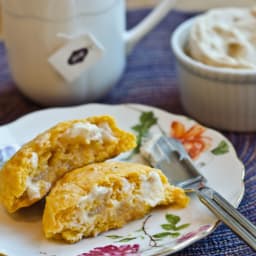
column 222, row 98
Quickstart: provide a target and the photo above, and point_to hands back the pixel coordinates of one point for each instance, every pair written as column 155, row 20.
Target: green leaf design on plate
column 127, row 239
column 170, row 230
column 147, row 120
column 167, row 226
column 161, row 235
column 181, row 226
column 114, row 236
column 172, row 219
column 173, row 227
column 221, row 149
column 166, row 234
column 174, row 234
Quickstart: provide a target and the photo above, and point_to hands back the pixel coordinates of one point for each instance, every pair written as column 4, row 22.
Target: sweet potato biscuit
column 103, row 196
column 30, row 173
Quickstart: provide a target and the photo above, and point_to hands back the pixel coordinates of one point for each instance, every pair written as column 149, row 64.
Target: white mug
column 63, row 52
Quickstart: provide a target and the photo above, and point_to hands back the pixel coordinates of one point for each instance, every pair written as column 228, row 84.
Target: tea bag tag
column 76, row 56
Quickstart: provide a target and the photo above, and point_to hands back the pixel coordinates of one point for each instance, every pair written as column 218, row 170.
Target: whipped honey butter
column 225, row 38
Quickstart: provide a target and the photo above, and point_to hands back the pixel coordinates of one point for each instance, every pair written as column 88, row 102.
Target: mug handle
column 134, row 35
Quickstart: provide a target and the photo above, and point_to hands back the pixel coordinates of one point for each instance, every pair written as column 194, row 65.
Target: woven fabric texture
column 150, row 78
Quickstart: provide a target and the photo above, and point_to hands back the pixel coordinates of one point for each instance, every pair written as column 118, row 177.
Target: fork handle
column 229, row 215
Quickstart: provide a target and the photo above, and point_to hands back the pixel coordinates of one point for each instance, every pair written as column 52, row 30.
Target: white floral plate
column 163, row 232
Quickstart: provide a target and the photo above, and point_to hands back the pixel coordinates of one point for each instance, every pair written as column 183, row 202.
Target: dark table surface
column 150, row 78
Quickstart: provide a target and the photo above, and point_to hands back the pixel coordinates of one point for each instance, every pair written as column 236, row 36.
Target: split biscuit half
column 104, row 196
column 30, row 174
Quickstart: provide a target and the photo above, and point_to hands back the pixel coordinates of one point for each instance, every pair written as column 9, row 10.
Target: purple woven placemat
column 150, row 78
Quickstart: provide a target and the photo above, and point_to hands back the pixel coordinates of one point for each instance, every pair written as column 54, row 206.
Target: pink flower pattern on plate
column 189, row 235
column 113, row 250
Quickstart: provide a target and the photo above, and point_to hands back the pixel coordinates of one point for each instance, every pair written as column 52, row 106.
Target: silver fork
column 170, row 156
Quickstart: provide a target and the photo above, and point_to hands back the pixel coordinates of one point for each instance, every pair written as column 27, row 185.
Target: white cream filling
column 33, row 188
column 43, row 139
column 98, row 193
column 126, row 186
column 151, row 192
column 107, row 132
column 152, row 189
column 91, row 132
column 34, row 160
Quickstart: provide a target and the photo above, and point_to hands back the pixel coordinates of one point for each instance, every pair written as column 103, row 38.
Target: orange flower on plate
column 193, row 139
